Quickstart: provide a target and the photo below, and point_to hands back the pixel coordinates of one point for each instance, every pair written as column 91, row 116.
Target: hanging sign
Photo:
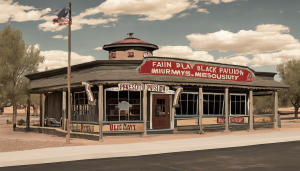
column 174, row 68
column 129, row 86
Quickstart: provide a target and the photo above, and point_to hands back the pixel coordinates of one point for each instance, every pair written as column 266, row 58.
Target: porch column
column 200, row 97
column 145, row 110
column 64, row 107
column 251, row 119
column 100, row 101
column 226, row 109
column 42, row 100
column 28, row 113
column 275, row 109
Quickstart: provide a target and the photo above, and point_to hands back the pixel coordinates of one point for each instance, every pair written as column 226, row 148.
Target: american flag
column 62, row 17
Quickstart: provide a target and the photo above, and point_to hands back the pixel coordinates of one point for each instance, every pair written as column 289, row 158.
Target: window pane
column 205, row 96
column 190, row 97
column 237, row 98
column 183, row 96
column 184, row 107
column 233, row 107
column 123, row 96
column 238, row 107
column 243, row 98
column 134, row 97
column 190, row 108
column 217, row 97
column 217, row 107
column 205, row 107
column 211, row 97
column 195, row 108
column 243, row 111
column 232, row 97
column 211, row 107
column 178, row 111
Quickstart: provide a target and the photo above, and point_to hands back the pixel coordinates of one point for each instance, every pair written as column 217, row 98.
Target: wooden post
column 28, row 114
column 275, row 110
column 251, row 119
column 226, row 109
column 64, row 107
column 145, row 110
column 43, row 110
column 100, row 101
column 200, row 108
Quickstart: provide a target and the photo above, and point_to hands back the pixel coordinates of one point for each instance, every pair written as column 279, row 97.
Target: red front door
column 160, row 111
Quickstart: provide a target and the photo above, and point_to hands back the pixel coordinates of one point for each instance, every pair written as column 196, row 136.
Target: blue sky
column 256, row 33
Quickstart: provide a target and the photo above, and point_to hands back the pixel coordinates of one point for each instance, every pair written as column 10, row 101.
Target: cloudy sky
column 256, row 33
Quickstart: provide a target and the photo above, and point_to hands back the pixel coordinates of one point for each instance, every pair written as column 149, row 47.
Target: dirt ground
column 18, row 141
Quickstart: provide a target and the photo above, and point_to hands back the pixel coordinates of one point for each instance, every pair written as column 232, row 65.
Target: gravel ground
column 8, row 145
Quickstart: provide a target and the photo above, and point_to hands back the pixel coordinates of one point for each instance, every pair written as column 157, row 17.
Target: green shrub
column 21, row 122
column 9, row 122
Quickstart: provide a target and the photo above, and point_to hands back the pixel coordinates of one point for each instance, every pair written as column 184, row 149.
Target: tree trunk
column 35, row 110
column 296, row 111
column 14, row 115
column 1, row 111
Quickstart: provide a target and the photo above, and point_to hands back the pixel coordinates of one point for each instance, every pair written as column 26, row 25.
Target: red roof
column 130, row 40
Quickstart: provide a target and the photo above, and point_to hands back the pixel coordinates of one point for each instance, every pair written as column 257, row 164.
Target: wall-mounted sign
column 129, row 86
column 123, row 127
column 174, row 68
column 232, row 120
column 159, row 88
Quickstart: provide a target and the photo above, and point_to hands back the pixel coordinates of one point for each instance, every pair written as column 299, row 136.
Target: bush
column 9, row 122
column 21, row 122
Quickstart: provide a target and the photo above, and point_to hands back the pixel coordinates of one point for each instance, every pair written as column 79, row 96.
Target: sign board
column 183, row 69
column 232, row 120
column 263, row 119
column 123, row 127
column 129, row 86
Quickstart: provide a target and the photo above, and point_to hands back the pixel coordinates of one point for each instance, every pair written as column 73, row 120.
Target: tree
column 289, row 72
column 17, row 59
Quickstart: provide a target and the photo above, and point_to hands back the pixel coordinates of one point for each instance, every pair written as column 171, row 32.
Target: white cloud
column 98, row 48
column 202, row 10
column 183, row 52
column 237, row 60
column 20, row 13
column 208, row 2
column 245, row 41
column 273, row 28
column 148, row 9
column 183, row 15
column 275, row 58
column 60, row 37
column 57, row 59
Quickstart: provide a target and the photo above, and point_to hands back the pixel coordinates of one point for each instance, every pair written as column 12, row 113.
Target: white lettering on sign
column 128, row 86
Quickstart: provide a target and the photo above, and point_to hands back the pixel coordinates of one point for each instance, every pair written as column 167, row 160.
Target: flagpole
column 69, row 77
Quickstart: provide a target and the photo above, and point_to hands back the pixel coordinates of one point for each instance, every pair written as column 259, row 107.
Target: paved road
column 274, row 157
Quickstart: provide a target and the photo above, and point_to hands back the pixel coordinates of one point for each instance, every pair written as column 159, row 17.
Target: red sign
column 232, row 120
column 155, row 67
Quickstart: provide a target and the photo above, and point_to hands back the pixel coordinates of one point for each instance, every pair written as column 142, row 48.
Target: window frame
column 240, row 94
column 197, row 107
column 116, row 89
column 223, row 104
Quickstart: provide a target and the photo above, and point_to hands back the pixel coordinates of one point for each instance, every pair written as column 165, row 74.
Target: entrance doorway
column 160, row 111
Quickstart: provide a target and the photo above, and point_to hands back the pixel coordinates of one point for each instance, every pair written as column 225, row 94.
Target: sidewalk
column 166, row 144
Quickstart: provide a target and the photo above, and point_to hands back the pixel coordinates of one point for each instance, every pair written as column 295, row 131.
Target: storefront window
column 188, row 104
column 237, row 104
column 113, row 98
column 82, row 110
column 213, row 103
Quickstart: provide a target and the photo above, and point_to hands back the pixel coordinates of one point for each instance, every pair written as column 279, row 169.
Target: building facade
column 136, row 92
